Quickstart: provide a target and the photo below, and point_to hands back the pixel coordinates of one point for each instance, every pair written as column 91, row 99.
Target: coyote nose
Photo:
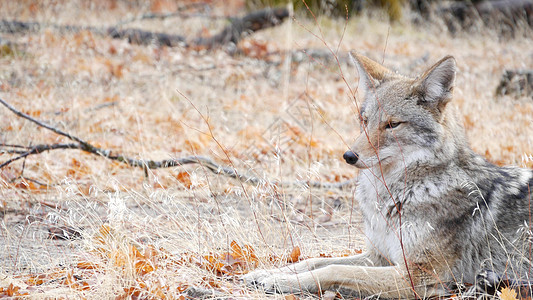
column 350, row 157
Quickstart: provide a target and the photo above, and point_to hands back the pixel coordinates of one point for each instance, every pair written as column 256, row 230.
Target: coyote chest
column 376, row 205
column 382, row 206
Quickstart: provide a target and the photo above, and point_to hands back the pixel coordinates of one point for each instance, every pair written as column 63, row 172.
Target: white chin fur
column 403, row 159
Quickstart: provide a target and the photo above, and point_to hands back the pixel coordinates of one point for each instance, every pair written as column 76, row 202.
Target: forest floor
column 278, row 106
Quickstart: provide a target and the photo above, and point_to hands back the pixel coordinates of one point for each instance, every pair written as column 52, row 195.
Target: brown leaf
column 295, row 255
column 36, row 279
column 12, row 290
column 235, row 262
column 77, row 169
column 508, row 294
column 87, row 265
column 26, row 185
column 71, row 280
column 237, row 250
column 184, row 178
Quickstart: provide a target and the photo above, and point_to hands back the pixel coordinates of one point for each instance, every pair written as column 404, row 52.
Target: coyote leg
column 363, row 259
column 388, row 282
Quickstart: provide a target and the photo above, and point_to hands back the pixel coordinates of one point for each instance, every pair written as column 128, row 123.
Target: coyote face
column 435, row 213
column 403, row 119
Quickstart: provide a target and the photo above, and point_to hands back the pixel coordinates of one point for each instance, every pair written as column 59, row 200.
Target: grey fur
column 434, row 211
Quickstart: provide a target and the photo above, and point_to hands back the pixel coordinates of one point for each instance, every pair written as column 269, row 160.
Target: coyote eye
column 392, row 124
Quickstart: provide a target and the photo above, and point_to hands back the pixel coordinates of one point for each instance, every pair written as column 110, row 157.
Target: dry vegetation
column 184, row 231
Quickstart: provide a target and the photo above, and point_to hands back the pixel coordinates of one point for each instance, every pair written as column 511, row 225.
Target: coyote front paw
column 276, row 282
column 488, row 281
column 254, row 278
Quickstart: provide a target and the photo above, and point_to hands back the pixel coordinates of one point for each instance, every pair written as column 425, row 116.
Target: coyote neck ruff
column 434, row 212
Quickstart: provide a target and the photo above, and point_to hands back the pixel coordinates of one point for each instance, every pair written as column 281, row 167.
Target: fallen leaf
column 295, row 255
column 26, row 185
column 12, row 290
column 87, row 265
column 508, row 294
column 184, row 178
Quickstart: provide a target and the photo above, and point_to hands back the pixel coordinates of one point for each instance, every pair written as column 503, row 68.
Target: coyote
column 435, row 213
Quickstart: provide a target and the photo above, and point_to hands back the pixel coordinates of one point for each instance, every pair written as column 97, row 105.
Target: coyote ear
column 436, row 84
column 371, row 73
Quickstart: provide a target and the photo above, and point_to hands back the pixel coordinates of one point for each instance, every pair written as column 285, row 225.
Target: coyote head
column 404, row 119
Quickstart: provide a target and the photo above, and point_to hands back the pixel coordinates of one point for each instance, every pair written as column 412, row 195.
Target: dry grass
column 140, row 100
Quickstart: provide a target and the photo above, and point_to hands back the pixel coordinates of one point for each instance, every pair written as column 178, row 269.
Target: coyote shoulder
column 434, row 211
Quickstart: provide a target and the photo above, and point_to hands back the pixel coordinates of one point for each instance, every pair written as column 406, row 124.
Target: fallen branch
column 32, row 150
column 500, row 14
column 252, row 22
column 516, row 82
column 85, row 146
column 233, row 32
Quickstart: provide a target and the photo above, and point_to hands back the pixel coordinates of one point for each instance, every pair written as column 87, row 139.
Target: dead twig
column 25, row 151
column 32, row 150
